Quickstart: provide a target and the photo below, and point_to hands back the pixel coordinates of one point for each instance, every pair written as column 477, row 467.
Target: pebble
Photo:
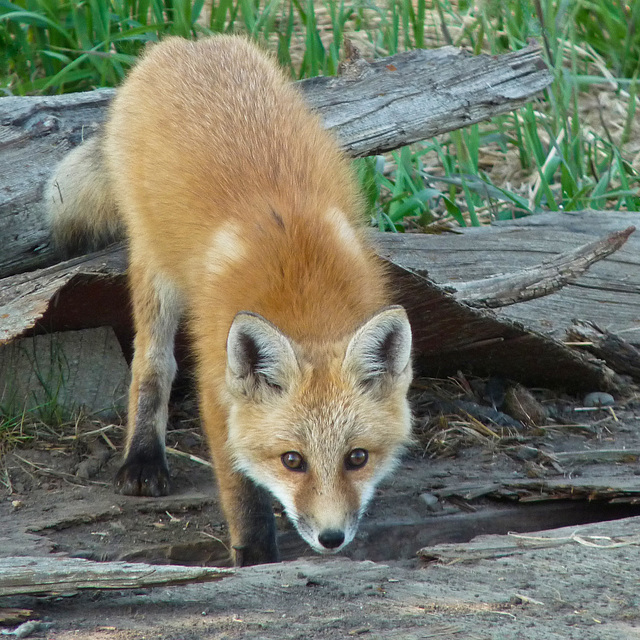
column 598, row 399
column 432, row 502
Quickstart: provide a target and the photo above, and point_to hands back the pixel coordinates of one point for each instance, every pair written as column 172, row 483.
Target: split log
column 448, row 334
column 41, row 575
column 539, row 280
column 389, row 103
column 607, row 294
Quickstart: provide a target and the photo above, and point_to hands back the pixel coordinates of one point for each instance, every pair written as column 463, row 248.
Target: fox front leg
column 156, row 311
column 247, row 507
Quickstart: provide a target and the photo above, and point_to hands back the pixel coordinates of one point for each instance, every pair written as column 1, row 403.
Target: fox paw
column 138, row 477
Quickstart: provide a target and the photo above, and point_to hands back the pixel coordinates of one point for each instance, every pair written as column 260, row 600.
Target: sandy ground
column 574, row 590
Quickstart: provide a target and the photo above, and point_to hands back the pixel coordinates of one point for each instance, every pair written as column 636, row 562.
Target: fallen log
column 386, row 104
column 61, row 575
column 608, row 293
column 448, row 333
column 539, row 280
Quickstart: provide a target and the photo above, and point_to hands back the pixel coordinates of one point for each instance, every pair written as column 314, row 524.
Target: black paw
column 143, row 477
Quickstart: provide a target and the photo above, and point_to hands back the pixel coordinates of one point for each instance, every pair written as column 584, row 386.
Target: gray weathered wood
column 389, row 103
column 67, row 371
column 599, row 537
column 607, row 294
column 27, row 297
column 617, row 352
column 41, row 575
column 448, row 335
column 542, row 279
column 624, row 488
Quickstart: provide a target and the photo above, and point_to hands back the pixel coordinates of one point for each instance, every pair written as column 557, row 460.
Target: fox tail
column 81, row 207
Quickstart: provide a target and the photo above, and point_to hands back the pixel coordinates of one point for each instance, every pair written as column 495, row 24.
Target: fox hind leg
column 156, row 311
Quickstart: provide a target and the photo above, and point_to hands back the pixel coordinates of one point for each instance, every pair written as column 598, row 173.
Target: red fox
column 241, row 211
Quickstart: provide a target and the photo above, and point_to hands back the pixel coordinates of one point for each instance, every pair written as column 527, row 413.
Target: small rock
column 495, row 391
column 17, row 504
column 431, row 501
column 598, row 399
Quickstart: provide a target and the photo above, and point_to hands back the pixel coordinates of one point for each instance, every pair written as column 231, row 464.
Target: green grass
column 561, row 160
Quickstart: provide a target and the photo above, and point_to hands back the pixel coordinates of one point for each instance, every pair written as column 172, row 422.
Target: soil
column 456, row 484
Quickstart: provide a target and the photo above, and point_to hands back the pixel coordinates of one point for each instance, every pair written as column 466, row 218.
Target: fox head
column 319, row 425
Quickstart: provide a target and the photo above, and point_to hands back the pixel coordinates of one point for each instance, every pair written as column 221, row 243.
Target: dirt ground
column 458, row 483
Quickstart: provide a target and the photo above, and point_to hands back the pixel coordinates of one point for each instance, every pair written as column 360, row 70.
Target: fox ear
column 260, row 358
column 380, row 350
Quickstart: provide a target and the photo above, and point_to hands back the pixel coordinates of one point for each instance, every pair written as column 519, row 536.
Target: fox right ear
column 260, row 358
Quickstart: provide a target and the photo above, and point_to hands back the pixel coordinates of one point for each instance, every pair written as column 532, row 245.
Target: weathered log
column 448, row 334
column 84, row 292
column 388, row 103
column 56, row 575
column 608, row 293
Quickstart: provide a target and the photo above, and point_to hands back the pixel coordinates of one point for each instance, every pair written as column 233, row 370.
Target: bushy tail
column 80, row 204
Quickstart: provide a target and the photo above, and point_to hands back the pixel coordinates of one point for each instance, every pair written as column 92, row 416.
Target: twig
column 189, row 456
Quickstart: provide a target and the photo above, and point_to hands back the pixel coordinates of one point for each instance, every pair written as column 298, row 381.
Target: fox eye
column 293, row 461
column 356, row 459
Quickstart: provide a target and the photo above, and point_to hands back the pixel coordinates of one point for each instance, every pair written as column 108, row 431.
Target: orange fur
column 236, row 199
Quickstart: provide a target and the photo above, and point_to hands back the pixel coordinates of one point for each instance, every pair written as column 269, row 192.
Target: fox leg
column 156, row 312
column 247, row 507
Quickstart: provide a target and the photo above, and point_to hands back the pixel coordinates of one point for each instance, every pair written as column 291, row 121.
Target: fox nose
column 331, row 538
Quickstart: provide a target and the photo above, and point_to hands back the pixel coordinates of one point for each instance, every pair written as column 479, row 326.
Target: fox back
column 242, row 212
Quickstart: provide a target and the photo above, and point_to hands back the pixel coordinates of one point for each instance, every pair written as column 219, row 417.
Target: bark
column 372, row 108
column 61, row 575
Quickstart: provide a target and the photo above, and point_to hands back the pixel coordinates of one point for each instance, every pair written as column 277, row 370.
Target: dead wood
column 616, row 490
column 539, row 280
column 88, row 291
column 449, row 335
column 594, row 456
column 389, row 103
column 515, row 544
column 608, row 293
column 622, row 356
column 41, row 575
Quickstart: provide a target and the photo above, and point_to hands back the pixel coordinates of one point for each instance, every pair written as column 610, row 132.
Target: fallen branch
column 542, row 279
column 46, row 575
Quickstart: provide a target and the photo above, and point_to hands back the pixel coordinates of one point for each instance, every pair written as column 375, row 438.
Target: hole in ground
column 385, row 541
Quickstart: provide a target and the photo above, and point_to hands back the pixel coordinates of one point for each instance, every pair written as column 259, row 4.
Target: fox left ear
column 260, row 358
column 381, row 348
